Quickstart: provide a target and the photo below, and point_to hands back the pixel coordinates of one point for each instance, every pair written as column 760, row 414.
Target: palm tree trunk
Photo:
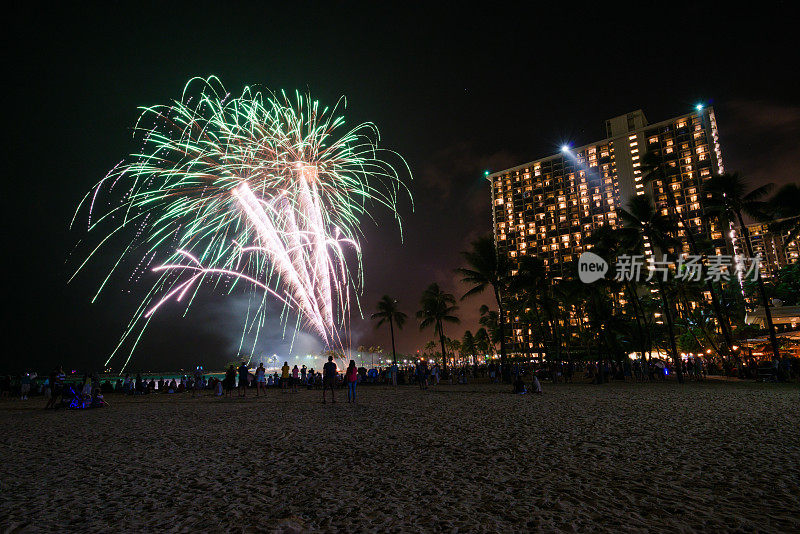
column 638, row 315
column 687, row 310
column 444, row 353
column 391, row 329
column 542, row 338
column 671, row 331
column 503, row 355
column 773, row 339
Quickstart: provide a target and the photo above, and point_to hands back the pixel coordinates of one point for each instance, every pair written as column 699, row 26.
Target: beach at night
column 620, row 457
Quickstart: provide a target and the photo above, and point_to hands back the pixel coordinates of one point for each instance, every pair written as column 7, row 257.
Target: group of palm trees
column 559, row 318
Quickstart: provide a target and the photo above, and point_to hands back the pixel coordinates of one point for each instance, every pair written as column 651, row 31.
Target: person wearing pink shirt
column 295, row 378
column 351, row 377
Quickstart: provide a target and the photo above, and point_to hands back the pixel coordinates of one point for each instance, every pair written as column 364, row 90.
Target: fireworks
column 258, row 192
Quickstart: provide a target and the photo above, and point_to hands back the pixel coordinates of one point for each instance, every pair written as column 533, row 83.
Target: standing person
column 295, row 378
column 243, row 376
column 56, row 386
column 351, row 377
column 435, row 375
column 303, row 372
column 285, row 376
column 394, row 374
column 329, row 372
column 230, row 380
column 24, row 386
column 198, row 381
column 261, row 379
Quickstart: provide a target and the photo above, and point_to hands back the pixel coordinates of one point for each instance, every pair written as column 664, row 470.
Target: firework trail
column 258, row 192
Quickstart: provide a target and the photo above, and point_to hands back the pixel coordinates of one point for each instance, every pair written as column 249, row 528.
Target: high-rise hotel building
column 548, row 207
column 775, row 249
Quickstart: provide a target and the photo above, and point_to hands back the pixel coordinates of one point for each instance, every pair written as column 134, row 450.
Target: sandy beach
column 620, row 457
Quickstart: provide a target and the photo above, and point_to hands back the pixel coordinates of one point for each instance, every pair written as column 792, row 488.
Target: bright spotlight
column 486, row 173
column 698, row 107
column 564, row 148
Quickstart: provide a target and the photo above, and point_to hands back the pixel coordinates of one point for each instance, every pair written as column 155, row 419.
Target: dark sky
column 455, row 90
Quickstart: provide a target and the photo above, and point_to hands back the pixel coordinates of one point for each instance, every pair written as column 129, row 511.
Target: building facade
column 776, row 251
column 548, row 207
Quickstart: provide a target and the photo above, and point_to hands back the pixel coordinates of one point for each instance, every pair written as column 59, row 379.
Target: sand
column 618, row 457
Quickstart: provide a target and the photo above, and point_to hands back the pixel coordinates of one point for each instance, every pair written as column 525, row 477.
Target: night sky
column 456, row 91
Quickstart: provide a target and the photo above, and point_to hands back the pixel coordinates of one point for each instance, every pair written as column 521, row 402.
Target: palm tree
column 455, row 346
column 534, row 286
column 430, row 347
column 490, row 320
column 488, row 268
column 438, row 308
column 726, row 199
column 482, row 341
column 642, row 220
column 784, row 206
column 610, row 243
column 468, row 344
column 377, row 349
column 653, row 169
column 388, row 312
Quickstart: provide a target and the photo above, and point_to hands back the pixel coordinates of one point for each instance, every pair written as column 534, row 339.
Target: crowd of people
column 525, row 377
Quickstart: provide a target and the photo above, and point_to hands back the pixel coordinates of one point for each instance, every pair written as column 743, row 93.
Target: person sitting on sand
column 329, row 372
column 86, row 390
column 536, row 386
column 519, row 385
